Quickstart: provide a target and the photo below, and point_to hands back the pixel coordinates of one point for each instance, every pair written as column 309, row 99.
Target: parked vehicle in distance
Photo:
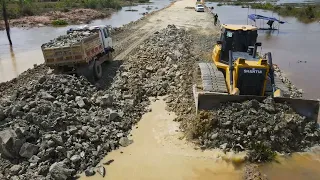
column 199, row 8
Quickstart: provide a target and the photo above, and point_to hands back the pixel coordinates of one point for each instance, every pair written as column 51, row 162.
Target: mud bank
column 74, row 16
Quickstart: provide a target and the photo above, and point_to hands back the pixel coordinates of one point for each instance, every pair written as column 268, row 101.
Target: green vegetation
column 261, row 153
column 143, row 1
column 59, row 22
column 20, row 8
column 100, row 4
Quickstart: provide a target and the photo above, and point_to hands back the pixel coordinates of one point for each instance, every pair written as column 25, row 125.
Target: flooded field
column 293, row 43
column 26, row 49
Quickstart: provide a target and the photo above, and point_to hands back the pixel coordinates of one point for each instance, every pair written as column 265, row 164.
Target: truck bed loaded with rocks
column 82, row 51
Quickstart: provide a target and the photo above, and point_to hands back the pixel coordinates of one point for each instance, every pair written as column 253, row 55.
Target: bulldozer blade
column 211, row 100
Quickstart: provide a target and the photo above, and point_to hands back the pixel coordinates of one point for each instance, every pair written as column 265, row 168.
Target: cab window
column 229, row 34
column 105, row 33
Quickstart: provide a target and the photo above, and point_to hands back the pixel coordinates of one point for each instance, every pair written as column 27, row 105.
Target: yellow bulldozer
column 238, row 73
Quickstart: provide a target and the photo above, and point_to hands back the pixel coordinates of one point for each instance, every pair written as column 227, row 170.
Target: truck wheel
column 110, row 58
column 97, row 70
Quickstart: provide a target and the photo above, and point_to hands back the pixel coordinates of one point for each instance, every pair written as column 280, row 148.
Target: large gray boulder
column 2, row 115
column 28, row 150
column 9, row 143
column 59, row 171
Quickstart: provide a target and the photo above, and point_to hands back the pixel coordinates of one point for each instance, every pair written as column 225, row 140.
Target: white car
column 199, row 8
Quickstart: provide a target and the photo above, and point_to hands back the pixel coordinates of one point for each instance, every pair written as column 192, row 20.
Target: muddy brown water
column 27, row 43
column 160, row 152
column 157, row 153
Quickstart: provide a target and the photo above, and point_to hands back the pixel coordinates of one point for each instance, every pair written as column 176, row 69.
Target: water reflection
column 269, row 34
column 13, row 60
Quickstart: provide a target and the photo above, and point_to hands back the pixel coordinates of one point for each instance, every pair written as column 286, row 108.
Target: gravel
column 68, row 39
column 294, row 91
column 56, row 119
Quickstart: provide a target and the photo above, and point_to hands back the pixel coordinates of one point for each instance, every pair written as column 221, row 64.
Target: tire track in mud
column 137, row 40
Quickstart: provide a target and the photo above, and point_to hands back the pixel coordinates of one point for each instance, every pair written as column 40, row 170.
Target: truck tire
column 110, row 57
column 97, row 70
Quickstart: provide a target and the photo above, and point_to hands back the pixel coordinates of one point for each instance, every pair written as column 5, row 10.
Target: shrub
column 143, row 1
column 27, row 11
column 59, row 22
column 261, row 153
column 98, row 4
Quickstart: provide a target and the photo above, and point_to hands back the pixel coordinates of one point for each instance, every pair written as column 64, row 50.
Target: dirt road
column 178, row 14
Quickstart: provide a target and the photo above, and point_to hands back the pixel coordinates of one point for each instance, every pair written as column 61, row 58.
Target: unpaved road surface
column 176, row 14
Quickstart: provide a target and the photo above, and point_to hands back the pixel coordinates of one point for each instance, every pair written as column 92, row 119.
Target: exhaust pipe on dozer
column 271, row 70
column 275, row 92
column 231, row 70
column 255, row 49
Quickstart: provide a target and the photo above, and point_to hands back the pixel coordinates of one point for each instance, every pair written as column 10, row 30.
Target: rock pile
column 68, row 39
column 23, row 79
column 60, row 125
column 157, row 66
column 294, row 91
column 260, row 127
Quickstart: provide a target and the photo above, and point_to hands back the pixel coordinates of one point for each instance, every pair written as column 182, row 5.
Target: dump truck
column 237, row 72
column 81, row 51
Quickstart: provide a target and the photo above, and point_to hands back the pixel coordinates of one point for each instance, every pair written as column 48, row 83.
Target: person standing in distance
column 215, row 19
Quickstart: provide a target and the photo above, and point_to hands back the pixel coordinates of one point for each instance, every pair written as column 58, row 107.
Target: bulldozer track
column 280, row 85
column 209, row 78
column 212, row 79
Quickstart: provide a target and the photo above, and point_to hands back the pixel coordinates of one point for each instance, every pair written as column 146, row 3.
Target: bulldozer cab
column 237, row 38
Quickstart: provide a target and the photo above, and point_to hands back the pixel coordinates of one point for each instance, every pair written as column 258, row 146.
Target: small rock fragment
column 59, row 171
column 15, row 169
column 28, row 150
column 89, row 172
column 108, row 162
column 124, row 141
column 80, row 102
column 101, row 170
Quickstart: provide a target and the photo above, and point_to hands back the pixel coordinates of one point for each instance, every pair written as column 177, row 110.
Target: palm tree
column 6, row 22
